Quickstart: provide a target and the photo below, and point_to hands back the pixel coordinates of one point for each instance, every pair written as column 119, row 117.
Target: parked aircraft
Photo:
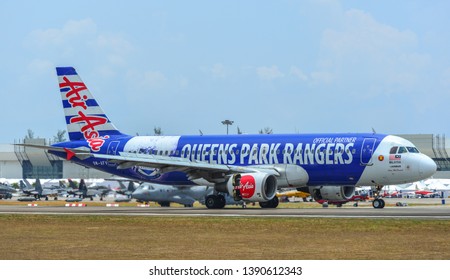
column 126, row 190
column 6, row 191
column 73, row 189
column 251, row 167
column 37, row 192
column 93, row 190
column 164, row 195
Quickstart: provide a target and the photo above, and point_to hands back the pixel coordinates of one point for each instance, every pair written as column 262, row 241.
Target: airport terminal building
column 22, row 162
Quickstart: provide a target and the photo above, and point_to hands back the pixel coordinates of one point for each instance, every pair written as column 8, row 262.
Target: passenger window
column 402, row 150
column 393, row 150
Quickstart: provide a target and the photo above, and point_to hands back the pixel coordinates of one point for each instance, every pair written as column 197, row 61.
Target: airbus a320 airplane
column 249, row 167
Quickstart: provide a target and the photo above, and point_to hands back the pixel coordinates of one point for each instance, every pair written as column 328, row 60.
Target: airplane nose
column 427, row 166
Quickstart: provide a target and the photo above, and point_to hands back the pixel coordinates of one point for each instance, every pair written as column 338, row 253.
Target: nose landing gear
column 378, row 202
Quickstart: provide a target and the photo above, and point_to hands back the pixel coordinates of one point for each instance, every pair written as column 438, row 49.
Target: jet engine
column 332, row 193
column 252, row 187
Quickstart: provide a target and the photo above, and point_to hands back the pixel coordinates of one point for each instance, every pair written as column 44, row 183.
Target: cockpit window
column 402, row 150
column 393, row 150
column 413, row 150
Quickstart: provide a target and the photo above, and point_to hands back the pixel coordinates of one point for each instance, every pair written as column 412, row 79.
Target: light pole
column 227, row 123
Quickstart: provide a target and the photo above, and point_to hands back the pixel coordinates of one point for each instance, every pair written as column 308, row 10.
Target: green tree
column 158, row 131
column 60, row 136
column 266, row 130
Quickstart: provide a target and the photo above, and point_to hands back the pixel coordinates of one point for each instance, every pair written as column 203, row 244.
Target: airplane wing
column 196, row 169
column 166, row 164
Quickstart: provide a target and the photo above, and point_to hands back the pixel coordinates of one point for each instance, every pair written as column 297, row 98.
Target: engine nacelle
column 332, row 193
column 253, row 187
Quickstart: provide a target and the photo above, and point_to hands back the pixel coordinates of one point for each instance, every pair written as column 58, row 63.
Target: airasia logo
column 96, row 143
column 247, row 186
column 89, row 122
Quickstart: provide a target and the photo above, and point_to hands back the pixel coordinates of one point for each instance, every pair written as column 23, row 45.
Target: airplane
column 250, row 167
column 124, row 190
column 72, row 189
column 164, row 195
column 37, row 192
column 124, row 193
column 6, row 191
column 92, row 191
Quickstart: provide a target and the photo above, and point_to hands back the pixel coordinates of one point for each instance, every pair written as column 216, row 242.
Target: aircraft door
column 367, row 150
column 112, row 148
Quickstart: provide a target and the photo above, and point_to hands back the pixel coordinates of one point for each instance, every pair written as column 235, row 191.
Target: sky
column 185, row 66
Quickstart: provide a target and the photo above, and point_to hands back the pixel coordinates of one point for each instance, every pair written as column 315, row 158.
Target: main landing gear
column 378, row 203
column 215, row 201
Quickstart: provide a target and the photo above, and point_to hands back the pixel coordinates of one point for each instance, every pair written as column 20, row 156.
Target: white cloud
column 184, row 82
column 153, row 79
column 362, row 34
column 40, row 66
column 322, row 77
column 218, row 71
column 298, row 73
column 146, row 80
column 80, row 39
column 114, row 43
column 373, row 57
column 68, row 34
column 269, row 73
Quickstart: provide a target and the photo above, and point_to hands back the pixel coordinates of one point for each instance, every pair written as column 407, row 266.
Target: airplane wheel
column 378, row 203
column 210, row 202
column 273, row 203
column 221, row 201
column 215, row 201
column 46, row 198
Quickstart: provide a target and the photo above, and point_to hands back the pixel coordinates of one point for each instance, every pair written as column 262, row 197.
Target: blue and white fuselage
column 251, row 167
column 328, row 159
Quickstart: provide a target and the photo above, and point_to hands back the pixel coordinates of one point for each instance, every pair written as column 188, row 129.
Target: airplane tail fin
column 22, row 185
column 131, row 187
column 38, row 185
column 27, row 184
column 85, row 118
column 72, row 184
column 83, row 187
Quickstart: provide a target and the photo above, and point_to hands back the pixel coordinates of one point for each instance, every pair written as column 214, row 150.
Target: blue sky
column 293, row 66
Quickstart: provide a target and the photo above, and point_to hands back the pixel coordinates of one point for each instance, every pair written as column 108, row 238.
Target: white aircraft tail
column 85, row 118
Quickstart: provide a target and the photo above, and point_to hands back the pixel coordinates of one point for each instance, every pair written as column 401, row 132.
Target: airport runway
column 415, row 212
